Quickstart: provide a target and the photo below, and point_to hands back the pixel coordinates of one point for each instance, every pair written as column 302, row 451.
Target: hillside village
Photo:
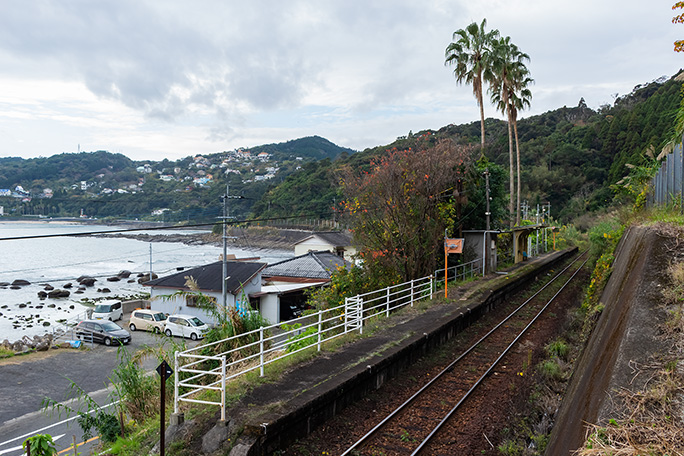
column 198, row 173
column 64, row 185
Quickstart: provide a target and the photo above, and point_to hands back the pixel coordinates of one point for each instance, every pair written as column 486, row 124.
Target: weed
column 511, row 448
column 558, row 348
column 551, row 370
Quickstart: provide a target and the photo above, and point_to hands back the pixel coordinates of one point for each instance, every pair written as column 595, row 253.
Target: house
column 243, row 279
column 338, row 242
column 283, row 293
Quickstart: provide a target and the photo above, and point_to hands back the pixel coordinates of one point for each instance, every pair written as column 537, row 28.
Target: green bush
column 551, row 370
column 39, row 445
column 559, row 349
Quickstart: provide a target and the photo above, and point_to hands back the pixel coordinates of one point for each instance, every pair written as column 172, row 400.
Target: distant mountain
column 73, row 167
column 102, row 184
column 312, row 147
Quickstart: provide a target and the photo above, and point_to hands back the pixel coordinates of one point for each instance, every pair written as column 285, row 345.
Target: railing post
column 346, row 315
column 412, row 292
column 175, row 382
column 388, row 302
column 360, row 308
column 320, row 328
column 261, row 351
column 223, row 388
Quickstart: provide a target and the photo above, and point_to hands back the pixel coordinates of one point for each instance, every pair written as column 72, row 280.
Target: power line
column 159, row 228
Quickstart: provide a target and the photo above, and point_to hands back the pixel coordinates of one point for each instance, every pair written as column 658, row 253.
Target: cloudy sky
column 167, row 79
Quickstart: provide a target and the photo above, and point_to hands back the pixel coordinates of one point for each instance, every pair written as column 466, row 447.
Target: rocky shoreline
column 248, row 238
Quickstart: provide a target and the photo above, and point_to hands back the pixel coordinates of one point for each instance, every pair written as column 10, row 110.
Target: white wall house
column 337, row 242
column 244, row 278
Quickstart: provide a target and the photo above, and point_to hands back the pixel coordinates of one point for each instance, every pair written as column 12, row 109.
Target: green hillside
column 102, row 184
column 570, row 156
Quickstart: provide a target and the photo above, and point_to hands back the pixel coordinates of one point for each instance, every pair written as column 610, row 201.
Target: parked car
column 111, row 310
column 102, row 331
column 147, row 320
column 185, row 326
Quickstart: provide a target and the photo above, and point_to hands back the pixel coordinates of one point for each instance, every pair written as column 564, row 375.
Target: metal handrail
column 264, row 346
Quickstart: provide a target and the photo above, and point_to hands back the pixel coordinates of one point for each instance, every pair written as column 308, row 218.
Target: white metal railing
column 66, row 328
column 459, row 272
column 207, row 367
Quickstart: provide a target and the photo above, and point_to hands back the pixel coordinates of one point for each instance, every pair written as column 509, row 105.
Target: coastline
column 264, row 238
column 252, row 237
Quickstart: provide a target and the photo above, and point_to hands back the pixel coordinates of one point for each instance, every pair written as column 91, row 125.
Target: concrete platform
column 274, row 415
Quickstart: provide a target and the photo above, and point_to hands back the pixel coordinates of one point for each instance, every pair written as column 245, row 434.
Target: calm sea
column 60, row 260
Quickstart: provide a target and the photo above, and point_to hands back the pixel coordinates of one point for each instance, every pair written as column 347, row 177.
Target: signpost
column 164, row 371
column 450, row 246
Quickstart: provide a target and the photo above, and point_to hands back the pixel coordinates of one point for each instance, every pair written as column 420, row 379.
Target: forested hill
column 570, row 156
column 102, row 184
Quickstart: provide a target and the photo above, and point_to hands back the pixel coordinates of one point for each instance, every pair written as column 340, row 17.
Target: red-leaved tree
column 394, row 208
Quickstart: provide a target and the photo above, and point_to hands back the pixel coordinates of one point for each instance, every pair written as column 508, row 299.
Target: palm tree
column 510, row 78
column 519, row 99
column 470, row 54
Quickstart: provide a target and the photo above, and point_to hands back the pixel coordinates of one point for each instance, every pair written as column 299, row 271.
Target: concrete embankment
column 272, row 416
column 623, row 340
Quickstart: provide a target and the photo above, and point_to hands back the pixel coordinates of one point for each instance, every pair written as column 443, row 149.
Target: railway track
column 424, row 423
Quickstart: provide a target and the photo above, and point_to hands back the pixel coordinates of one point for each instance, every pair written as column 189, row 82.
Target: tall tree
column 519, row 99
column 510, row 78
column 395, row 208
column 470, row 54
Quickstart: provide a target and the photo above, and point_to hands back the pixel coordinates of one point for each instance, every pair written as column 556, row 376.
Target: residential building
column 338, row 242
column 244, row 278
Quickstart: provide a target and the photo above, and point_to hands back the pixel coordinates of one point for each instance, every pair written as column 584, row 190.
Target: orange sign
column 453, row 245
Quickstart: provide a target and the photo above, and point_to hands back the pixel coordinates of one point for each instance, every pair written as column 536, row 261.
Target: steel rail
column 450, row 367
column 493, row 365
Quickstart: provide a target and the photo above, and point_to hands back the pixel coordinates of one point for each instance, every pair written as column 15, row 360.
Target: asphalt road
column 25, row 381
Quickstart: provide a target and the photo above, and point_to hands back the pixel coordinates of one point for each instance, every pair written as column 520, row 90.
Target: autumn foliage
column 394, row 206
column 678, row 19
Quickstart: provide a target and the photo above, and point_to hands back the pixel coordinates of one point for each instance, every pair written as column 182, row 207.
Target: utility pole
column 488, row 213
column 224, row 274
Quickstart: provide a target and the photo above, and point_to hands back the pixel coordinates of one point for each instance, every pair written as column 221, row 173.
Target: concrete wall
column 624, row 336
column 269, row 308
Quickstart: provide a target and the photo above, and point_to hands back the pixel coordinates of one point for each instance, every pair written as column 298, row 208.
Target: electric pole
column 488, row 213
column 224, row 275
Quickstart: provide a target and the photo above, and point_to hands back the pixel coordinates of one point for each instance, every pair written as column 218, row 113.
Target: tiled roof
column 208, row 277
column 335, row 238
column 312, row 265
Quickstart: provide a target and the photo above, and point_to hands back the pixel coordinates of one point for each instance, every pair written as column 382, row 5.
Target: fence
column 207, row 367
column 459, row 272
column 66, row 329
column 668, row 184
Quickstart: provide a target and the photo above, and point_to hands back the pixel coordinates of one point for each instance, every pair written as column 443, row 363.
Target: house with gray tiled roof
column 338, row 242
column 283, row 292
column 243, row 279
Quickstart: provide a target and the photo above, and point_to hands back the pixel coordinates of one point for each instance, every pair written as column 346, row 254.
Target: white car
column 110, row 309
column 185, row 326
column 147, row 320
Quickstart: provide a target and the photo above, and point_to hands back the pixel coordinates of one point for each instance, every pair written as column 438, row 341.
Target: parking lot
column 26, row 380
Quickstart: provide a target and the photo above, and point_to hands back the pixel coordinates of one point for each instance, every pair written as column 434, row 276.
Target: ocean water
column 60, row 260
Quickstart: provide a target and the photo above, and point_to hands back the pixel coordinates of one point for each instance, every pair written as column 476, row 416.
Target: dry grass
column 652, row 419
column 651, row 424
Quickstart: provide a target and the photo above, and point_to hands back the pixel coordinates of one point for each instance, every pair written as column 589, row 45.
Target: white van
column 185, row 326
column 110, row 309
